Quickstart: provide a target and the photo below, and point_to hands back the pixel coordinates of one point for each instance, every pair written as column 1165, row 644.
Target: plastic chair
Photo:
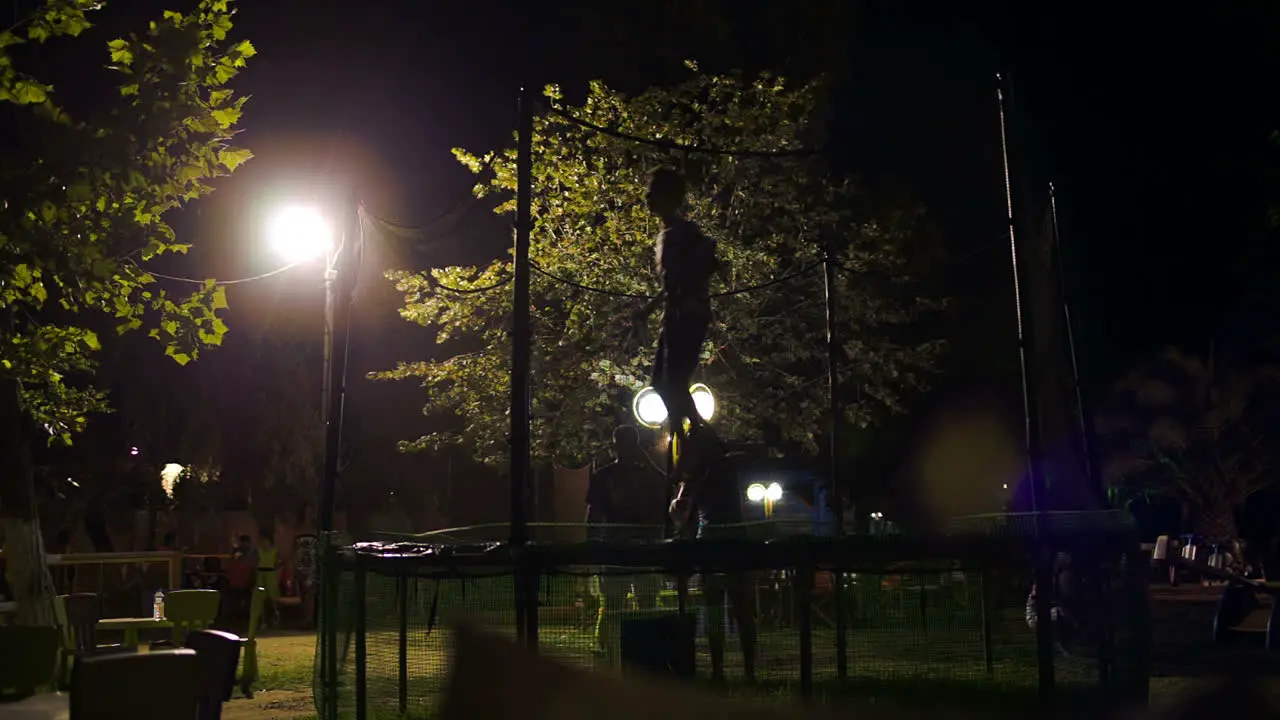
column 28, row 659
column 78, row 614
column 189, row 610
column 159, row 685
column 219, row 655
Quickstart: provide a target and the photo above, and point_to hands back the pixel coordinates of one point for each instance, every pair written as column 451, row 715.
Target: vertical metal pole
column 1031, row 409
column 337, row 346
column 521, row 337
column 984, row 608
column 521, row 351
column 833, row 393
column 330, row 576
column 837, row 495
column 532, row 576
column 804, row 613
column 402, row 604
column 682, row 577
column 362, row 657
column 328, row 479
column 337, row 328
column 1139, row 596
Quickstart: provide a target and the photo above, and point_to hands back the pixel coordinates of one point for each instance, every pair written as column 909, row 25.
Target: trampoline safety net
column 945, row 617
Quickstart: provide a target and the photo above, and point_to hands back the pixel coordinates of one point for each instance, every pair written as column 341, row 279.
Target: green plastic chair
column 28, row 660
column 249, row 667
column 190, row 610
column 77, row 616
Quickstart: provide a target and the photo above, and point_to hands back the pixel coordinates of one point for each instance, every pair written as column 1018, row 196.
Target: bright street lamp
column 651, row 412
column 758, row 493
column 299, row 233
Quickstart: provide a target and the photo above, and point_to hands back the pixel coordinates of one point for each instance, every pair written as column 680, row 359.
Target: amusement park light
column 773, row 493
column 756, row 492
column 651, row 412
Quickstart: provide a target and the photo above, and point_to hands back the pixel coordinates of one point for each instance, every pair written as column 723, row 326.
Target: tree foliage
column 766, row 356
column 83, row 197
column 1189, row 429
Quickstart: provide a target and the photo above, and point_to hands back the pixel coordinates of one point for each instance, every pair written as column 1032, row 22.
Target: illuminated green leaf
column 25, row 92
column 233, row 158
column 121, row 52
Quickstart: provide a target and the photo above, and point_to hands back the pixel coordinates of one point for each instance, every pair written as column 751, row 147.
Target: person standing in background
column 241, row 572
column 632, row 491
column 268, row 578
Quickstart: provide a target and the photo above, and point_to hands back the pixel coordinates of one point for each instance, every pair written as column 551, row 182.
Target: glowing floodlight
column 703, row 401
column 299, row 233
column 648, row 408
column 759, row 493
column 651, row 412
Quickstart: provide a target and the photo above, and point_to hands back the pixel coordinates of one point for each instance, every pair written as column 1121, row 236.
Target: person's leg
column 683, row 335
column 615, row 600
column 742, row 595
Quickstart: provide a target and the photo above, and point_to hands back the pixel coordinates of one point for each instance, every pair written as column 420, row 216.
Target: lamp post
column 299, row 234
column 768, row 495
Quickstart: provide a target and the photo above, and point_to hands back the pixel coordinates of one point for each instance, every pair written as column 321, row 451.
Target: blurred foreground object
column 494, row 679
column 533, row 687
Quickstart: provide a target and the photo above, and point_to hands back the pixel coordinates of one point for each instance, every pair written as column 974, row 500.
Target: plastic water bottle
column 157, row 606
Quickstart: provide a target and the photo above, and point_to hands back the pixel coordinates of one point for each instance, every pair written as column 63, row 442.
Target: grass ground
column 942, row 661
column 285, row 662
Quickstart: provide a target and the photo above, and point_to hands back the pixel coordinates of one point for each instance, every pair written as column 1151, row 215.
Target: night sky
column 1153, row 122
column 1154, row 126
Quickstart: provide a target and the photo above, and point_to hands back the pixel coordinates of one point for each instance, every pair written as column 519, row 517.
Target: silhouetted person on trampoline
column 686, row 260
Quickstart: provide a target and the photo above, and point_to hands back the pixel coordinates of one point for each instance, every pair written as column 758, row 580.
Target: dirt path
column 271, row 705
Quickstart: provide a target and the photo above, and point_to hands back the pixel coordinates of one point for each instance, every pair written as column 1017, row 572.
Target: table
column 132, row 626
column 42, row 706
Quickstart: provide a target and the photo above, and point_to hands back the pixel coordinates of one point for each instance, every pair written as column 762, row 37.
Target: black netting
column 922, row 616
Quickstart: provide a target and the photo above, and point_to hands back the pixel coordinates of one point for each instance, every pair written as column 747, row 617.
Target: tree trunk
column 1215, row 522
column 26, row 569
